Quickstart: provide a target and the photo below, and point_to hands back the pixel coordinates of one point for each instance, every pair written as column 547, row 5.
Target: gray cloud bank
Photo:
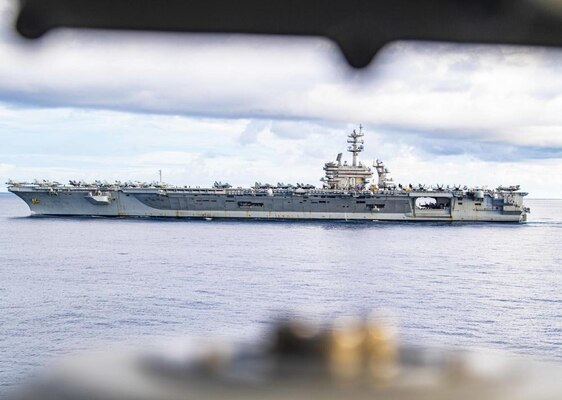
column 490, row 95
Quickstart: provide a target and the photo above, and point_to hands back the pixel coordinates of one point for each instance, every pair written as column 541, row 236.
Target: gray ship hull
column 392, row 205
column 346, row 195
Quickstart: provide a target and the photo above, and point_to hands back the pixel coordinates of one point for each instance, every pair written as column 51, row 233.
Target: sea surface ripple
column 68, row 284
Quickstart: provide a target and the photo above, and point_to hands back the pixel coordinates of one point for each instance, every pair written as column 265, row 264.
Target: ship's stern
column 513, row 206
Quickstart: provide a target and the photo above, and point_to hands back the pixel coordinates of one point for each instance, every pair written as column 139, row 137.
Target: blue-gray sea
column 69, row 284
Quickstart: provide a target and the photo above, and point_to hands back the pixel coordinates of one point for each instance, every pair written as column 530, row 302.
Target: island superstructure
column 347, row 193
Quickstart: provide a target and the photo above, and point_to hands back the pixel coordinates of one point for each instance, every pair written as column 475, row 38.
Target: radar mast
column 343, row 176
column 355, row 143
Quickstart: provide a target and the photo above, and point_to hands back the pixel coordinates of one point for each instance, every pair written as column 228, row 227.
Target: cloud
column 250, row 133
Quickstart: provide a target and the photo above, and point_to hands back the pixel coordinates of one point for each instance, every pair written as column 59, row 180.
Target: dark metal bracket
column 359, row 27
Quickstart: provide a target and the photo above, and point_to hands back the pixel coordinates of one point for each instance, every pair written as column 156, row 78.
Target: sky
column 84, row 104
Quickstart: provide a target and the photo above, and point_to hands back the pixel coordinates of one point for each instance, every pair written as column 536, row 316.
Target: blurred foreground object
column 350, row 359
column 359, row 27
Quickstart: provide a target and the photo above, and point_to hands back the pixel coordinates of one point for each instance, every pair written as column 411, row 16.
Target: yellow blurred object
column 347, row 349
column 382, row 349
column 360, row 349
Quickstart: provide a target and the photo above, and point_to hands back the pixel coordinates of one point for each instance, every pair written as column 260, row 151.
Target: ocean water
column 68, row 284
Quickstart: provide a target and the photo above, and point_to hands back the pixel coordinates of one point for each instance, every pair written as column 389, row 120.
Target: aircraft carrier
column 347, row 193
